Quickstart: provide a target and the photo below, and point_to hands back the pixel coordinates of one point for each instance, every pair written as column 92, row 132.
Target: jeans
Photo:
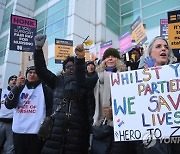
column 6, row 138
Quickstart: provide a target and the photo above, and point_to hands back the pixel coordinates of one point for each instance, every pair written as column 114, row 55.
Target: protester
column 159, row 50
column 158, row 53
column 90, row 72
column 6, row 118
column 134, row 59
column 90, row 68
column 70, row 133
column 32, row 101
column 111, row 63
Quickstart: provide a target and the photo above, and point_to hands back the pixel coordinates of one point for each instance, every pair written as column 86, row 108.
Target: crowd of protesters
column 83, row 95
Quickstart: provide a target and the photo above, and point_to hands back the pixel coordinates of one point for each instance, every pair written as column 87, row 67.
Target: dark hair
column 111, row 52
column 89, row 62
column 68, row 59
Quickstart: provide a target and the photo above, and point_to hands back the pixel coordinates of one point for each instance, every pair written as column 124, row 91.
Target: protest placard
column 125, row 42
column 22, row 32
column 63, row 49
column 146, row 102
column 104, row 46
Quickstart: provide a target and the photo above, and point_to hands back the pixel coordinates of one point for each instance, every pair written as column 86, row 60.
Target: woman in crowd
column 111, row 63
column 70, row 132
column 158, row 53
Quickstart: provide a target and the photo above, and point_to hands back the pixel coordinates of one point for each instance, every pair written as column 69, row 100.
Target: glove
column 80, row 52
column 149, row 62
column 39, row 40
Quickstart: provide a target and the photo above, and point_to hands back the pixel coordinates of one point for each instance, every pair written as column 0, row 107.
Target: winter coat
column 70, row 133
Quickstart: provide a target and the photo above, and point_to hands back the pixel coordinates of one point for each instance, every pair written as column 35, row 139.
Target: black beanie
column 13, row 76
column 111, row 52
column 89, row 62
column 29, row 68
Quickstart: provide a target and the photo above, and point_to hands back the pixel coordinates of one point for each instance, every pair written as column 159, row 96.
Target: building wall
column 12, row 59
column 101, row 20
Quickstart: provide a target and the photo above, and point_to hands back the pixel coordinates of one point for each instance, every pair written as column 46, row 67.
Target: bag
column 102, row 131
column 46, row 128
column 47, row 125
column 102, row 139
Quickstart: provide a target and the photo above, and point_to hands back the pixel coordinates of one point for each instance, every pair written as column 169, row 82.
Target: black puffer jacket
column 70, row 134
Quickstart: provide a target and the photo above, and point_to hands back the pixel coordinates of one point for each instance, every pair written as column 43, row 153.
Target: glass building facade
column 120, row 14
column 112, row 19
column 52, row 22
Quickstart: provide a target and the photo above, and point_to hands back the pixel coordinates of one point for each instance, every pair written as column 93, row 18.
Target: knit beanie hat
column 29, row 68
column 11, row 77
column 89, row 62
column 111, row 52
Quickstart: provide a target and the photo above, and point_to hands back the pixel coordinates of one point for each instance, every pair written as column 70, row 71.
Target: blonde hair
column 171, row 57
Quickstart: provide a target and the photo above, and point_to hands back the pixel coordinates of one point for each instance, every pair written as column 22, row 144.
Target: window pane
column 112, row 26
column 129, row 7
column 110, row 13
column 114, row 5
column 157, row 7
column 7, row 12
column 126, row 29
column 53, row 66
column 155, row 19
column 56, row 7
column 40, row 31
column 5, row 27
column 130, row 18
column 57, row 16
column 40, row 24
column 146, row 2
column 59, row 34
column 124, row 1
column 40, row 16
column 54, row 27
column 2, row 60
column 40, row 3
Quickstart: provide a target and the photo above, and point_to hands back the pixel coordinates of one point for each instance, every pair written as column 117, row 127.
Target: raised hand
column 20, row 80
column 149, row 62
column 79, row 50
column 39, row 40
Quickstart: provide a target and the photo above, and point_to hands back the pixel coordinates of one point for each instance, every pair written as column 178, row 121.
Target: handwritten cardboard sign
column 146, row 101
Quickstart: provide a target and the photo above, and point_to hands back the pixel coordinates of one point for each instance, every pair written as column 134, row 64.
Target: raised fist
column 79, row 50
column 39, row 40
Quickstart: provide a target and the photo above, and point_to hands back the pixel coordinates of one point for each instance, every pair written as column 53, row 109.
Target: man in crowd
column 32, row 101
column 6, row 117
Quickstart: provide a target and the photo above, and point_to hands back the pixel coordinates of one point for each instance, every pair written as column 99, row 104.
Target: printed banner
column 146, row 103
column 104, row 46
column 174, row 29
column 22, row 33
column 63, row 49
column 138, row 32
column 164, row 28
column 125, row 43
